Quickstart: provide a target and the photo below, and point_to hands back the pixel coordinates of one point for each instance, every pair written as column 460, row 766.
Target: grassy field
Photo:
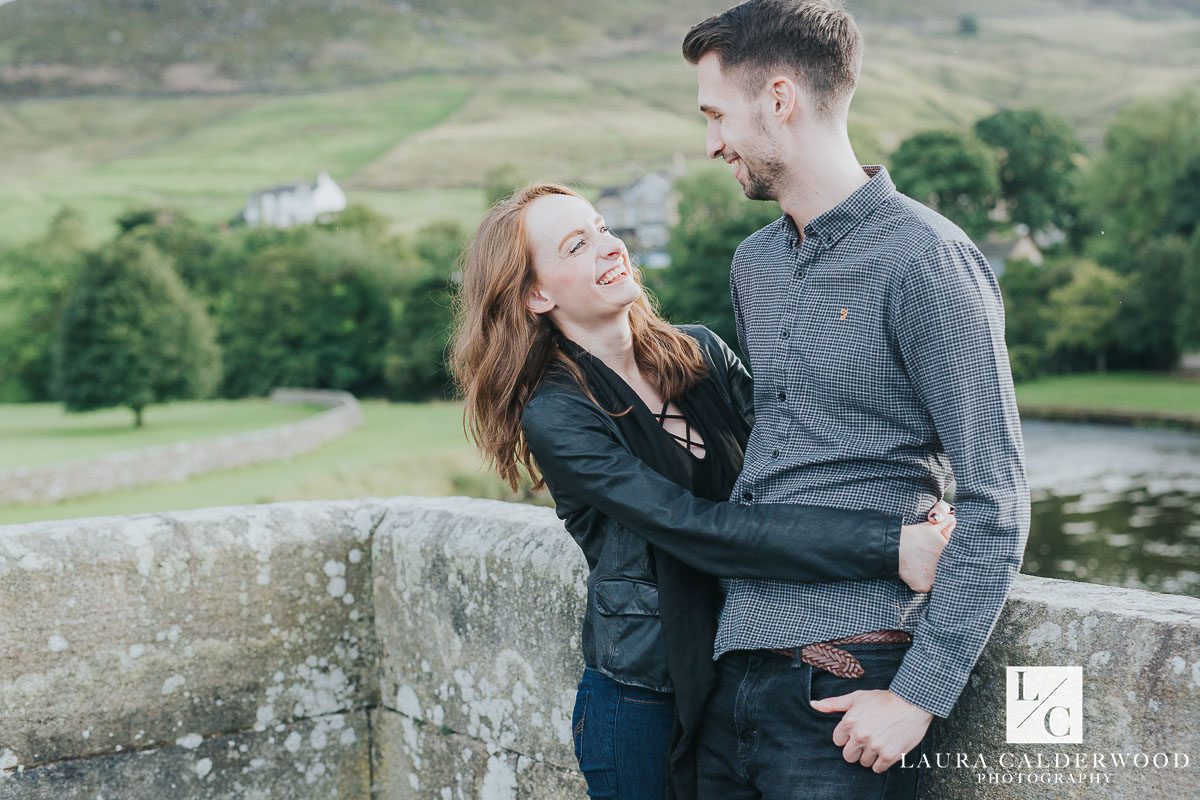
column 418, row 148
column 1129, row 391
column 42, row 433
column 402, row 449
column 421, row 450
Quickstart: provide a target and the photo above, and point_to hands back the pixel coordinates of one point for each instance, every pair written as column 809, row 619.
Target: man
column 875, row 330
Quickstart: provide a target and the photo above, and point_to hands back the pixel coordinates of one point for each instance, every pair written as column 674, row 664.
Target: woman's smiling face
column 584, row 275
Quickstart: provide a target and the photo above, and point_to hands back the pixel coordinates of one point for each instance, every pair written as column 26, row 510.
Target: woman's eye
column 575, row 248
column 604, row 229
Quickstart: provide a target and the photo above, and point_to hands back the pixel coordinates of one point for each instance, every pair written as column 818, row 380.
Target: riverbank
column 1118, row 398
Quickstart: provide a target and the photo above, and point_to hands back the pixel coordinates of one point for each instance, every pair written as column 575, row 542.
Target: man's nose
column 713, row 144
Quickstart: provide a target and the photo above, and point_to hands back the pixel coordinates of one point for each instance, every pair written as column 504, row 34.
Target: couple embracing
column 780, row 599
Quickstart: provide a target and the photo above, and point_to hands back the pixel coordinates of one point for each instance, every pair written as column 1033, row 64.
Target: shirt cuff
column 927, row 684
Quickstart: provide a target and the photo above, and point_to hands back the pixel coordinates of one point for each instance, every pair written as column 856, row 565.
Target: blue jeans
column 761, row 740
column 622, row 735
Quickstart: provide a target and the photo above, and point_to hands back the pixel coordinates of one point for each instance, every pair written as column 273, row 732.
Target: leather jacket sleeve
column 585, row 464
column 737, row 378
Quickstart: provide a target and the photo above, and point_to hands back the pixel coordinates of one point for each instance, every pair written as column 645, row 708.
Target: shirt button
column 747, row 496
column 774, row 454
column 782, row 396
column 783, row 334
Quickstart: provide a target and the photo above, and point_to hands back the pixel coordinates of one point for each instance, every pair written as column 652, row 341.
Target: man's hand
column 921, row 546
column 879, row 727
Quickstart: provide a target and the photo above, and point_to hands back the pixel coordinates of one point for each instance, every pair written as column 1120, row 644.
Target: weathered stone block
column 137, row 631
column 415, row 759
column 1140, row 654
column 327, row 757
column 478, row 609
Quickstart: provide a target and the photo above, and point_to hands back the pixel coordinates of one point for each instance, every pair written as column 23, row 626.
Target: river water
column 1114, row 505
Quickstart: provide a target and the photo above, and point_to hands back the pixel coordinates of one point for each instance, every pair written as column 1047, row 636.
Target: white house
column 295, row 204
column 642, row 214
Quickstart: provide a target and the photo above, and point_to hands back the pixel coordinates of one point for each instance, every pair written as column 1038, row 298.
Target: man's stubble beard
column 769, row 171
column 762, row 186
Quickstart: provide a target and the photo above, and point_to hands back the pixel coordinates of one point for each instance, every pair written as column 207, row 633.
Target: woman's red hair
column 500, row 349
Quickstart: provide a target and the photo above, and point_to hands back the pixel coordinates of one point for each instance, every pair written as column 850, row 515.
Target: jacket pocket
column 627, row 597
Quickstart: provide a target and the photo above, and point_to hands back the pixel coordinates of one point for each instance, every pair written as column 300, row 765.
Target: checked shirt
column 881, row 376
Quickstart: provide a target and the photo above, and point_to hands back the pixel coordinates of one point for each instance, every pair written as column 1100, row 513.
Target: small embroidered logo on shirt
column 845, row 313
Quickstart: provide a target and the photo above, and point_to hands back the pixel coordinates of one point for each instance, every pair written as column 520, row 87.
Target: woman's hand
column 921, row 546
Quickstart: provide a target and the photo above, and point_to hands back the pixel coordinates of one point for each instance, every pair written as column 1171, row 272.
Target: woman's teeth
column 611, row 275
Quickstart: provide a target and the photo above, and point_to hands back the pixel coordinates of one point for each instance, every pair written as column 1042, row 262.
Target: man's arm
column 949, row 324
column 578, row 453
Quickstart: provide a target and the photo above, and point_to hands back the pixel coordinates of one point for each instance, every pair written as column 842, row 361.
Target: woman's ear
column 539, row 303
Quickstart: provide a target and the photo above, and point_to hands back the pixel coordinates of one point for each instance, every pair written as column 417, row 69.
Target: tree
column 968, row 25
column 190, row 246
column 1145, row 327
column 714, row 218
column 1140, row 206
column 952, row 172
column 312, row 310
column 1084, row 309
column 1028, row 316
column 1187, row 329
column 439, row 245
column 35, row 280
column 132, row 335
column 415, row 366
column 359, row 217
column 1183, row 209
column 1148, row 149
column 1035, row 153
column 422, row 313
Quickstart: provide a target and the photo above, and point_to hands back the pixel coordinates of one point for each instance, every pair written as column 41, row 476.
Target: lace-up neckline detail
column 686, row 441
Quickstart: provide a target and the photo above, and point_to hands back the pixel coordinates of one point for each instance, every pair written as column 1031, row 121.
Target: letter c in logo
column 1046, row 720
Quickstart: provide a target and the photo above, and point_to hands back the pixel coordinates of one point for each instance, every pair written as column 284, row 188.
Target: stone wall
column 172, row 463
column 428, row 648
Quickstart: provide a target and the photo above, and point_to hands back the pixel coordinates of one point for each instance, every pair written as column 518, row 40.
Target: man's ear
column 539, row 303
column 784, row 97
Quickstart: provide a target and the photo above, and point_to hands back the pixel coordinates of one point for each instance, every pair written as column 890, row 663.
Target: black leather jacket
column 614, row 504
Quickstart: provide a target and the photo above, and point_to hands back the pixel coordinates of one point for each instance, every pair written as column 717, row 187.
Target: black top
column 710, row 476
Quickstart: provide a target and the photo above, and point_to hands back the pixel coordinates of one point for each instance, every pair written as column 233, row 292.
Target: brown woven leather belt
column 826, row 656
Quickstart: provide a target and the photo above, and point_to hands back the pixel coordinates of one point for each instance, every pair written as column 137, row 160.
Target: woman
column 637, row 428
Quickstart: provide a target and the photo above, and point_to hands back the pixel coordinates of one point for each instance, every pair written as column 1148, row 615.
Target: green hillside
column 146, row 44
column 217, row 45
column 408, row 105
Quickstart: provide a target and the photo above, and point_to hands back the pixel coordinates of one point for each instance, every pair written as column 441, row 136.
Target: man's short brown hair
column 818, row 39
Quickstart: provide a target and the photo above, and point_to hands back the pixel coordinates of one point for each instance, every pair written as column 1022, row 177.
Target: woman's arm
column 736, row 377
column 741, row 385
column 579, row 455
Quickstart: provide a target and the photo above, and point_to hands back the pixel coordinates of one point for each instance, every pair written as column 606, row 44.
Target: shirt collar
column 835, row 223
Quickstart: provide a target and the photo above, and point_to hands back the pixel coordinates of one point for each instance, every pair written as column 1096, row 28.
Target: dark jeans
column 761, row 739
column 622, row 734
